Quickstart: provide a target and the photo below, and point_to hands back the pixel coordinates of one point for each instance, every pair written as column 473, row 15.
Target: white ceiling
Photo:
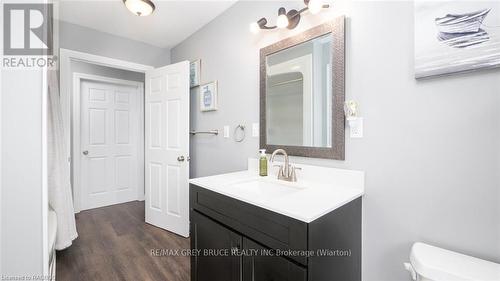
column 170, row 24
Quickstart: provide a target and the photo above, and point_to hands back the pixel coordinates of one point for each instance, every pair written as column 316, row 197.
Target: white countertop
column 318, row 191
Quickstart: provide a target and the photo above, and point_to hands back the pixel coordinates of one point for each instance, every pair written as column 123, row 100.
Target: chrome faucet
column 286, row 172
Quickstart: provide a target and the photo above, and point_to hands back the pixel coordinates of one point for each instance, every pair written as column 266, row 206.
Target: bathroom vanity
column 251, row 228
column 299, row 223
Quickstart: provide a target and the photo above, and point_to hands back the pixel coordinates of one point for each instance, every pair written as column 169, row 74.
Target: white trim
column 77, row 79
column 104, row 61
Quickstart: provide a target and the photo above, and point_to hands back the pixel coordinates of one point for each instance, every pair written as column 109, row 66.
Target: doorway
column 114, row 127
column 102, row 117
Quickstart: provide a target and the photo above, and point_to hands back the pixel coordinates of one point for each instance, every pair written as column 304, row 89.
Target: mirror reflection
column 299, row 94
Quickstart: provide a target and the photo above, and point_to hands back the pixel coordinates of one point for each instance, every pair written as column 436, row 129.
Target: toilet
column 429, row 263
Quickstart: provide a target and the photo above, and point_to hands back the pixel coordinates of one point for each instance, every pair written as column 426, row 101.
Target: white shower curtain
column 59, row 184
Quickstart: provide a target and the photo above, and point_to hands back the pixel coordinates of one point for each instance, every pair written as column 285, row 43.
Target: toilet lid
column 442, row 265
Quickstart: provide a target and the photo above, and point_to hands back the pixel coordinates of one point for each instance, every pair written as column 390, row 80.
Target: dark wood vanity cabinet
column 249, row 243
column 227, row 262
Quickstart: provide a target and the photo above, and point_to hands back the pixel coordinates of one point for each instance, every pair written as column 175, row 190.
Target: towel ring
column 241, row 136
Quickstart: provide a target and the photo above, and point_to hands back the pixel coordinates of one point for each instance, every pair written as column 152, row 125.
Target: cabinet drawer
column 271, row 229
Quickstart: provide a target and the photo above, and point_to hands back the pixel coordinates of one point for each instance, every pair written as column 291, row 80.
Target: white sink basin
column 265, row 188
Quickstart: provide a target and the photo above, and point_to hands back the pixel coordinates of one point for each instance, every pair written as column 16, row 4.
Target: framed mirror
column 302, row 93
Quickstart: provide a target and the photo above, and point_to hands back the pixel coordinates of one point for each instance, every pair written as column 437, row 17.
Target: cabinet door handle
column 180, row 158
column 85, row 152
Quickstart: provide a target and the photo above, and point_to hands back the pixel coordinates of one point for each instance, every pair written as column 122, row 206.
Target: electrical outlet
column 255, row 130
column 356, row 128
column 226, row 132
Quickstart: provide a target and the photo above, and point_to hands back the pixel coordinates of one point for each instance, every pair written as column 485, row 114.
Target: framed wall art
column 208, row 96
column 456, row 36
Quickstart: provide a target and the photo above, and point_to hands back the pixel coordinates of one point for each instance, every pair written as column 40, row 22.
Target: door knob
column 180, row 158
column 85, row 152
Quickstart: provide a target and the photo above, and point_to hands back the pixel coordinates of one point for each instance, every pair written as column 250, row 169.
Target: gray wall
column 431, row 148
column 83, row 39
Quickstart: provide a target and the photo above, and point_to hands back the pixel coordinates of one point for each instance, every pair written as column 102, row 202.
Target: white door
column 109, row 142
column 167, row 148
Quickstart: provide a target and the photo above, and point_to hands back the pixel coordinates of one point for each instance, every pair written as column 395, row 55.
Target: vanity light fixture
column 291, row 18
column 140, row 8
column 282, row 20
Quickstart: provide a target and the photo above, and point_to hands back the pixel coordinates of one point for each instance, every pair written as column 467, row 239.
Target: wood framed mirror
column 302, row 93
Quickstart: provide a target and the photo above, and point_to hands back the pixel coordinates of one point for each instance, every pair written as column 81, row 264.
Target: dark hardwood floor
column 115, row 243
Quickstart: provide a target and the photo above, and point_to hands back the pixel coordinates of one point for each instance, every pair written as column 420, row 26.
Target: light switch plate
column 226, row 132
column 356, row 128
column 255, row 130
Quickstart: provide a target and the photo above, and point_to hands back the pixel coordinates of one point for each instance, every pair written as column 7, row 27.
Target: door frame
column 68, row 56
column 78, row 78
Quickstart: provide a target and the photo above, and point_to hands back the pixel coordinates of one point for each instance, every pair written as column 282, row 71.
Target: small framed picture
column 208, row 96
column 194, row 73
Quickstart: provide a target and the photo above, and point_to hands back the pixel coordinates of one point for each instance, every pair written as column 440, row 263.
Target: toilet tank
column 429, row 263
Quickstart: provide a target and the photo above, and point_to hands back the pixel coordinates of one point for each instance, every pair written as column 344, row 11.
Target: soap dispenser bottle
column 263, row 163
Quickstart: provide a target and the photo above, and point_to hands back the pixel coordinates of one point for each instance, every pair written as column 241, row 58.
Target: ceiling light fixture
column 291, row 18
column 140, row 8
